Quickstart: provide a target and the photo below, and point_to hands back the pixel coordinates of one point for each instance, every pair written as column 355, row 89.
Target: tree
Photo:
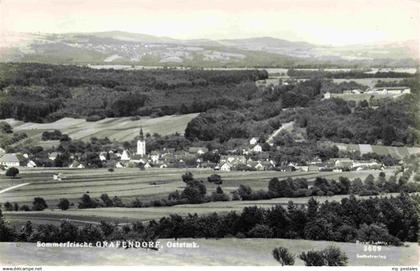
column 388, row 134
column 274, row 186
column 39, row 204
column 87, row 202
column 215, row 178
column 106, row 200
column 12, row 172
column 64, row 204
column 194, row 192
column 187, row 177
column 7, row 234
column 283, row 256
column 8, row 206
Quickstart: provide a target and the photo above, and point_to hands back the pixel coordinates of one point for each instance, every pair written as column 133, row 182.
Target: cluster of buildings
column 389, row 91
column 253, row 159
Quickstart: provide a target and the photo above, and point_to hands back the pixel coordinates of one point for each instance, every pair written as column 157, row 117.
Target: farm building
column 390, row 90
column 10, row 160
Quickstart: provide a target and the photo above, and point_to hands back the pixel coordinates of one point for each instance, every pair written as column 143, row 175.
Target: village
column 253, row 158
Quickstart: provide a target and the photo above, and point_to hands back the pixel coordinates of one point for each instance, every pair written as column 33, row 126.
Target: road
column 284, row 126
column 13, row 187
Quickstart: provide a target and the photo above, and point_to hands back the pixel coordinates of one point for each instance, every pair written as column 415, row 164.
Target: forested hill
column 41, row 92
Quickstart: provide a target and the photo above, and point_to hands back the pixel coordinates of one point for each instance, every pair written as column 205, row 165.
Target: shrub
column 283, row 256
column 12, row 172
column 39, row 204
column 312, row 258
column 331, row 256
column 64, row 204
column 334, row 256
column 8, row 206
column 260, row 231
column 24, row 208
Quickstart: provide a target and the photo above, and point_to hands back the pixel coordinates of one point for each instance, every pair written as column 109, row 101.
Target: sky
column 329, row 22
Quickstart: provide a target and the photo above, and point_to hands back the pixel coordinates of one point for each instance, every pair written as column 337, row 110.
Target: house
column 30, row 164
column 2, row 152
column 327, row 95
column 259, row 166
column 371, row 164
column 10, row 160
column 52, row 156
column 198, row 150
column 233, row 160
column 125, row 156
column 253, row 141
column 257, row 148
column 343, row 163
column 76, row 164
column 102, row 156
column 226, row 167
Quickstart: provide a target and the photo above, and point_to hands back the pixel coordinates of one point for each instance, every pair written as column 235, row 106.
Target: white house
column 253, row 141
column 31, row 164
column 125, row 156
column 257, row 148
column 10, row 160
column 327, row 95
column 102, row 156
column 225, row 167
column 259, row 166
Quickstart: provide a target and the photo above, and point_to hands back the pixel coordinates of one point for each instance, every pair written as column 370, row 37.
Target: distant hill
column 118, row 47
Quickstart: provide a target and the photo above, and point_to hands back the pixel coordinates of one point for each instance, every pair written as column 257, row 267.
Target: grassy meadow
column 227, row 251
column 119, row 129
column 129, row 183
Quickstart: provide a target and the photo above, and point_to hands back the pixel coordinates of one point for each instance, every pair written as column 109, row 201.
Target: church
column 141, row 144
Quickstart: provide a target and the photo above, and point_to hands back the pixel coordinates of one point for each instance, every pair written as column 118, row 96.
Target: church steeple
column 141, row 134
column 141, row 144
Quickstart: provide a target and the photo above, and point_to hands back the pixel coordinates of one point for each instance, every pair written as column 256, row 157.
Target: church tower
column 141, row 144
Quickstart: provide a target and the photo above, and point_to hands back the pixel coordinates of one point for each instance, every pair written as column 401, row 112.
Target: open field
column 129, row 183
column 128, row 215
column 120, row 129
column 228, row 251
column 397, row 152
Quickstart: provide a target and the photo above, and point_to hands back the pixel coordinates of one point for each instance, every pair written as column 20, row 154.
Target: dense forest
column 232, row 107
column 390, row 221
column 39, row 92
